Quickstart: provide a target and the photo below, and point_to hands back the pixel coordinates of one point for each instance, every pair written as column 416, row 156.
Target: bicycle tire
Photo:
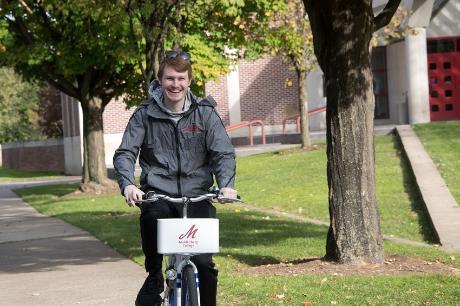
column 189, row 287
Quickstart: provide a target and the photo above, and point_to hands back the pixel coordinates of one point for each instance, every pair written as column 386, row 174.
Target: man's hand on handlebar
column 135, row 196
column 227, row 195
column 132, row 194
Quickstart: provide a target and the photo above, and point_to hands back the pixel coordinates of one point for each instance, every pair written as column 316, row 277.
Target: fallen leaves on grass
column 393, row 265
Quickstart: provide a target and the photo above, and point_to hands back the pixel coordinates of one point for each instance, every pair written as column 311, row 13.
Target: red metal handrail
column 297, row 118
column 249, row 124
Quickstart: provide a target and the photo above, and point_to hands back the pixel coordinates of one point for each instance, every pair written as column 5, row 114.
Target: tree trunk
column 342, row 31
column 94, row 167
column 303, row 105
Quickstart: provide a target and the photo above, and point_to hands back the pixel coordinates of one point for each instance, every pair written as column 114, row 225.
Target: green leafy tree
column 206, row 29
column 18, row 108
column 290, row 36
column 98, row 50
column 80, row 48
column 342, row 32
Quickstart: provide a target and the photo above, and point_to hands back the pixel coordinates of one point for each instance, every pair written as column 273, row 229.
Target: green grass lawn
column 297, row 183
column 442, row 141
column 250, row 238
column 339, row 290
column 11, row 175
column 294, row 183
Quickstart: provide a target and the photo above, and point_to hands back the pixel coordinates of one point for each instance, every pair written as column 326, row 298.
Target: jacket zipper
column 179, row 169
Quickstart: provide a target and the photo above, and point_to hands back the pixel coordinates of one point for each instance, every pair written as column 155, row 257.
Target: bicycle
column 180, row 239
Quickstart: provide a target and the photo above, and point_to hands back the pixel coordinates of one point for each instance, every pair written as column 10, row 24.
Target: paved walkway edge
column 440, row 204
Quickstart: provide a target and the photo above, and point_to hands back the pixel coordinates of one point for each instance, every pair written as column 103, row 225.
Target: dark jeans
column 150, row 212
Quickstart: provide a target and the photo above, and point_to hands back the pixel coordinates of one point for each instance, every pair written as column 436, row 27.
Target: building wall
column 116, row 116
column 446, row 22
column 45, row 155
column 267, row 88
column 219, row 91
column 111, row 143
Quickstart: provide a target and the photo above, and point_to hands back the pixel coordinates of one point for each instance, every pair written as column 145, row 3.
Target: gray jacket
column 178, row 159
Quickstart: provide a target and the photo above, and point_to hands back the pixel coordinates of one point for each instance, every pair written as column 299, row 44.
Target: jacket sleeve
column 125, row 156
column 221, row 152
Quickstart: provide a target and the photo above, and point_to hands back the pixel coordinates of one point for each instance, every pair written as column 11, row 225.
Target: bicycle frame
column 179, row 239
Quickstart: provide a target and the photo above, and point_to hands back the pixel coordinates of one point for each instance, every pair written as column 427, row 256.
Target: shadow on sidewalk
column 52, row 253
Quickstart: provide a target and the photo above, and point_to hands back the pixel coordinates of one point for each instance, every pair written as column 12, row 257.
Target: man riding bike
column 181, row 142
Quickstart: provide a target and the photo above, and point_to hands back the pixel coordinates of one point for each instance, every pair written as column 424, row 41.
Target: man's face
column 175, row 85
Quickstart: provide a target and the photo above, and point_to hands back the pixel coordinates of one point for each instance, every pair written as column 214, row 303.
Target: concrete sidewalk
column 45, row 261
column 442, row 208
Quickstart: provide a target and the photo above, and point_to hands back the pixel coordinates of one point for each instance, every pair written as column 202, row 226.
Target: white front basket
column 185, row 236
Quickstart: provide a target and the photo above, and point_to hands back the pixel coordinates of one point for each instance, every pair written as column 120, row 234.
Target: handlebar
column 156, row 197
column 152, row 196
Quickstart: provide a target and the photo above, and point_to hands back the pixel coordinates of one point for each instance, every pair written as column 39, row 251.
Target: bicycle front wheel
column 189, row 287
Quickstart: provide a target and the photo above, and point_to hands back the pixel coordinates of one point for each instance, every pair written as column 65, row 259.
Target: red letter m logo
column 190, row 233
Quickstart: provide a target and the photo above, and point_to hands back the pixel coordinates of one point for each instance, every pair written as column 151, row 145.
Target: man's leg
column 154, row 284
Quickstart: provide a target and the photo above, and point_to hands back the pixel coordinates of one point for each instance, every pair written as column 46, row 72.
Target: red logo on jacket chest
column 193, row 128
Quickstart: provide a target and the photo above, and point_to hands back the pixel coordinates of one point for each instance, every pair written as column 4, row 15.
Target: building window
column 440, row 46
column 379, row 70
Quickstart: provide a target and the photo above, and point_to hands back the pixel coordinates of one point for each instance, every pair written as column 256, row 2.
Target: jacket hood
column 155, row 90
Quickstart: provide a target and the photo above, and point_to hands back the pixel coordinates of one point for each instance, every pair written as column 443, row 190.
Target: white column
column 233, row 89
column 72, row 117
column 417, row 76
column 80, row 126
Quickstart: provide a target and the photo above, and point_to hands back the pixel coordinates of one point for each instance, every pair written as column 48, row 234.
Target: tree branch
column 47, row 24
column 319, row 23
column 385, row 16
column 84, row 84
column 26, row 7
column 131, row 13
column 102, row 79
column 63, row 86
column 19, row 27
